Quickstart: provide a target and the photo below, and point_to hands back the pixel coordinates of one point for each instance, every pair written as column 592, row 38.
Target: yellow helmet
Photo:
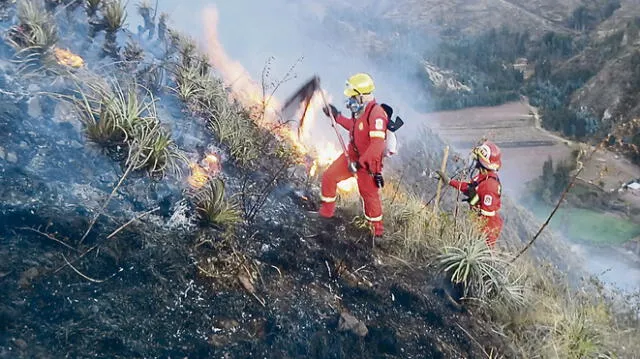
column 359, row 84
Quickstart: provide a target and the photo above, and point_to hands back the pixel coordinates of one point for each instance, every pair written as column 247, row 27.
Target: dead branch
column 80, row 273
column 443, row 168
column 131, row 221
column 50, row 236
column 580, row 166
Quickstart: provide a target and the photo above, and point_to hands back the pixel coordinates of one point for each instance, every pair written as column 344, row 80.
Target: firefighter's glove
column 443, row 176
column 378, row 179
column 333, row 109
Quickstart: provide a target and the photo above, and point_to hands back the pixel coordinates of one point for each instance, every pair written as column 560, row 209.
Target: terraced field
column 513, row 128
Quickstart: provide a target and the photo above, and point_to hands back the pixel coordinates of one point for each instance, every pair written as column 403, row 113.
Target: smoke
column 327, row 38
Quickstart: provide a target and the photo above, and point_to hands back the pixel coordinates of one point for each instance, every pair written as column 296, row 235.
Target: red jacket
column 488, row 192
column 368, row 133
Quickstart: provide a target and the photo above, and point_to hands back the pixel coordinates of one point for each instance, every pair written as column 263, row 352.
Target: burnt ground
column 155, row 302
column 166, row 288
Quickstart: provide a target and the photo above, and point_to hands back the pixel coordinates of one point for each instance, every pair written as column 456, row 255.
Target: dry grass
column 204, row 95
column 526, row 301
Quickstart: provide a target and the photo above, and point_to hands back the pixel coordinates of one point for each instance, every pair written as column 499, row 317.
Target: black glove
column 443, row 176
column 471, row 192
column 379, row 180
column 333, row 109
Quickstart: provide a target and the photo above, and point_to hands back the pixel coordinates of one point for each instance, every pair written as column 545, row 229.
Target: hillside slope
column 147, row 211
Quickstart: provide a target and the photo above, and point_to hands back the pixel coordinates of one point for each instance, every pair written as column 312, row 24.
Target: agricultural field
column 515, row 128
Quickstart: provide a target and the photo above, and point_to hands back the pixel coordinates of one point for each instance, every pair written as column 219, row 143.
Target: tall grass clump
column 205, row 96
column 124, row 122
column 213, row 208
column 36, row 30
column 114, row 18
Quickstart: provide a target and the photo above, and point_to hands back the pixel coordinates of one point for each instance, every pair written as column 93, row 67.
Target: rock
column 20, row 343
column 63, row 112
column 218, row 341
column 348, row 322
column 12, row 157
column 34, row 108
column 229, row 324
column 27, row 276
column 2, row 153
column 33, row 88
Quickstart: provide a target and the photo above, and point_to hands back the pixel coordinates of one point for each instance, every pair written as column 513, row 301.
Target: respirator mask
column 354, row 105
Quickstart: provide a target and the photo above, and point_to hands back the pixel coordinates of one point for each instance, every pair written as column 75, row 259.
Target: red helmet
column 488, row 155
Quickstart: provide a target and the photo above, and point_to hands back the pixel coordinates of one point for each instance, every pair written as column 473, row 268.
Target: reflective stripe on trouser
column 339, row 171
column 336, row 172
column 370, row 194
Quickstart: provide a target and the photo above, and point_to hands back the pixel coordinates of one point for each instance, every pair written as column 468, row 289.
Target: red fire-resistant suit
column 368, row 133
column 486, row 201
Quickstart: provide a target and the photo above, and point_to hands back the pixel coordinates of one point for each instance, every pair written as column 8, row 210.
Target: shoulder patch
column 488, row 200
column 379, row 124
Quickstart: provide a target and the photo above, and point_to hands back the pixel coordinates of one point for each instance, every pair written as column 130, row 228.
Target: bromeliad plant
column 481, row 271
column 92, row 7
column 124, row 121
column 214, row 209
column 36, row 30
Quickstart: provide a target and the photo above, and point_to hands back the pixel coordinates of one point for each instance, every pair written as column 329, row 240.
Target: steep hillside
column 576, row 60
column 153, row 204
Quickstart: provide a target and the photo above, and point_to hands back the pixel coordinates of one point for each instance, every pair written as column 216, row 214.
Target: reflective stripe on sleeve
column 377, row 134
column 487, row 213
column 327, row 199
column 474, row 200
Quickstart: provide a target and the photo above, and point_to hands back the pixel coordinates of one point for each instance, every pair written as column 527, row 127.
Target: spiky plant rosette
column 36, row 29
column 470, row 262
column 114, row 15
column 212, row 206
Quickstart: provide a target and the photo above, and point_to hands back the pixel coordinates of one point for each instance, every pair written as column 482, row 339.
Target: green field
column 588, row 225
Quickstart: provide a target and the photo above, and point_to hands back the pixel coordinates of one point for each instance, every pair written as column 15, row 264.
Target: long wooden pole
column 443, row 168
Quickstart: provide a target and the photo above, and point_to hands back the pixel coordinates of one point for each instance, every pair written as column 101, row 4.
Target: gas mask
column 354, row 105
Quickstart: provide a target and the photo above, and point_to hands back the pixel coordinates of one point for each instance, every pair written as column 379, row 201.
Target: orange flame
column 67, row 58
column 250, row 94
column 198, row 176
column 200, row 173
column 212, row 164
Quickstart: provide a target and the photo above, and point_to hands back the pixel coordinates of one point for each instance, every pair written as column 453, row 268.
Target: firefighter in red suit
column 484, row 189
column 367, row 127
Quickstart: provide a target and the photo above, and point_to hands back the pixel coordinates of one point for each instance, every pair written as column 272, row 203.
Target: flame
column 212, row 164
column 200, row 173
column 250, row 94
column 198, row 176
column 67, row 58
column 348, row 185
column 324, row 157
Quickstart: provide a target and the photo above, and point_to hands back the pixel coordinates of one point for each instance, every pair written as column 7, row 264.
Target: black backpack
column 393, row 125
